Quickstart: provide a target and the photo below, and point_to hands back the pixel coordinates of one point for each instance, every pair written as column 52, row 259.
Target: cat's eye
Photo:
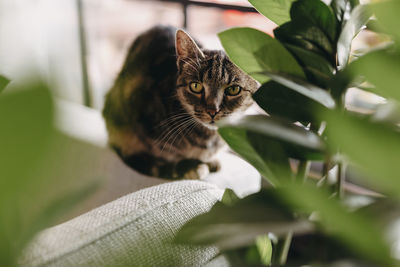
column 233, row 90
column 196, row 87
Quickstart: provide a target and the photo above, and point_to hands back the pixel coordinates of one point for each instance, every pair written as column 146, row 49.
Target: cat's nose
column 212, row 113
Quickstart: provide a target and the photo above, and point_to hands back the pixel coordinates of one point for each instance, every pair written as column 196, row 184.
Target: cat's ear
column 186, row 47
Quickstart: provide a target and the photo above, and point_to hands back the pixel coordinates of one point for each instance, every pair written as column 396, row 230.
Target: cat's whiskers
column 171, row 118
column 171, row 127
column 173, row 132
column 181, row 131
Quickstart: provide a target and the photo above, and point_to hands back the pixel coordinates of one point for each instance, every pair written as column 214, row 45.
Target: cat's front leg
column 196, row 169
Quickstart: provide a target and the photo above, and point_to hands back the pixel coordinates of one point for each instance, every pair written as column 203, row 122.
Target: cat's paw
column 201, row 171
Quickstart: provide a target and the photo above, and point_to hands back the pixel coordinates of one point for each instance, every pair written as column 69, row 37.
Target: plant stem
column 341, row 173
column 282, row 250
column 302, row 170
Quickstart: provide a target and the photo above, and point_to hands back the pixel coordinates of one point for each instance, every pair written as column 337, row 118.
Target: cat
column 162, row 109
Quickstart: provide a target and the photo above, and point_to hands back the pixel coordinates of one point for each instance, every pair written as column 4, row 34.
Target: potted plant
column 305, row 72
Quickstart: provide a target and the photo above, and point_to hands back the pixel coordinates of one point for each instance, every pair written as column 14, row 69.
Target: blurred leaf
column 264, row 247
column 236, row 226
column 318, row 70
column 237, row 140
column 313, row 92
column 388, row 112
column 357, row 231
column 278, row 100
column 382, row 68
column 272, row 152
column 26, row 118
column 26, row 131
column 317, row 13
column 275, row 10
column 276, row 58
column 373, row 147
column 359, row 17
column 3, row 83
column 261, row 252
column 55, row 210
column 343, row 8
column 288, row 135
column 387, row 13
column 229, row 198
column 241, row 44
column 30, row 198
column 306, row 35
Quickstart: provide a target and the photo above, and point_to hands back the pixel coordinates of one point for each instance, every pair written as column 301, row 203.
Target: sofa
column 132, row 219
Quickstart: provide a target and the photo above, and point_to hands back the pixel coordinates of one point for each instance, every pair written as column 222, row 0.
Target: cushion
column 134, row 230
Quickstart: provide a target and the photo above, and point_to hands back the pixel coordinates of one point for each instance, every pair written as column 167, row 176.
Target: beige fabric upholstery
column 134, row 230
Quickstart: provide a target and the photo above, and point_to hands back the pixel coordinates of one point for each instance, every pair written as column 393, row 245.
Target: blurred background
column 49, row 36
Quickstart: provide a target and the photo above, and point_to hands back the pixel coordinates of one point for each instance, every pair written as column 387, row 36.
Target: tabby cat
column 161, row 112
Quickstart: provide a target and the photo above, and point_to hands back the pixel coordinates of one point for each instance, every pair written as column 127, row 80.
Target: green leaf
column 306, row 35
column 289, row 135
column 275, row 10
column 237, row 140
column 381, row 68
column 359, row 17
column 242, row 44
column 318, row 70
column 299, row 86
column 264, row 247
column 373, row 147
column 272, row 152
column 343, row 8
column 3, row 83
column 317, row 13
column 50, row 214
column 229, row 198
column 26, row 118
column 281, row 101
column 32, row 194
column 236, row 226
column 387, row 13
column 357, row 231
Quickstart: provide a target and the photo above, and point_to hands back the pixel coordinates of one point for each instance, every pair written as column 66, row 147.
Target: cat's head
column 209, row 86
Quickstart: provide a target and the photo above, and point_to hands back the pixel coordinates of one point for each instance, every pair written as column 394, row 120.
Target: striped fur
column 156, row 124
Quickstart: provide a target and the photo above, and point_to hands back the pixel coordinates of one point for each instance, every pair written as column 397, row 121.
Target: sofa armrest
column 134, row 230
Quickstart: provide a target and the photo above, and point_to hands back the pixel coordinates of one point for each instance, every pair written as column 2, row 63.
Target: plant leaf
column 237, row 140
column 306, row 35
column 317, row 13
column 241, row 44
column 3, row 83
column 287, row 134
column 304, row 88
column 357, row 231
column 381, row 68
column 343, row 8
column 275, row 10
column 278, row 100
column 229, row 198
column 387, row 13
column 373, row 147
column 26, row 132
column 317, row 69
column 236, row 226
column 359, row 17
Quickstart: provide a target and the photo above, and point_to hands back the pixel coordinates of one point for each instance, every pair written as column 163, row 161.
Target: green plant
column 305, row 72
column 33, row 194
